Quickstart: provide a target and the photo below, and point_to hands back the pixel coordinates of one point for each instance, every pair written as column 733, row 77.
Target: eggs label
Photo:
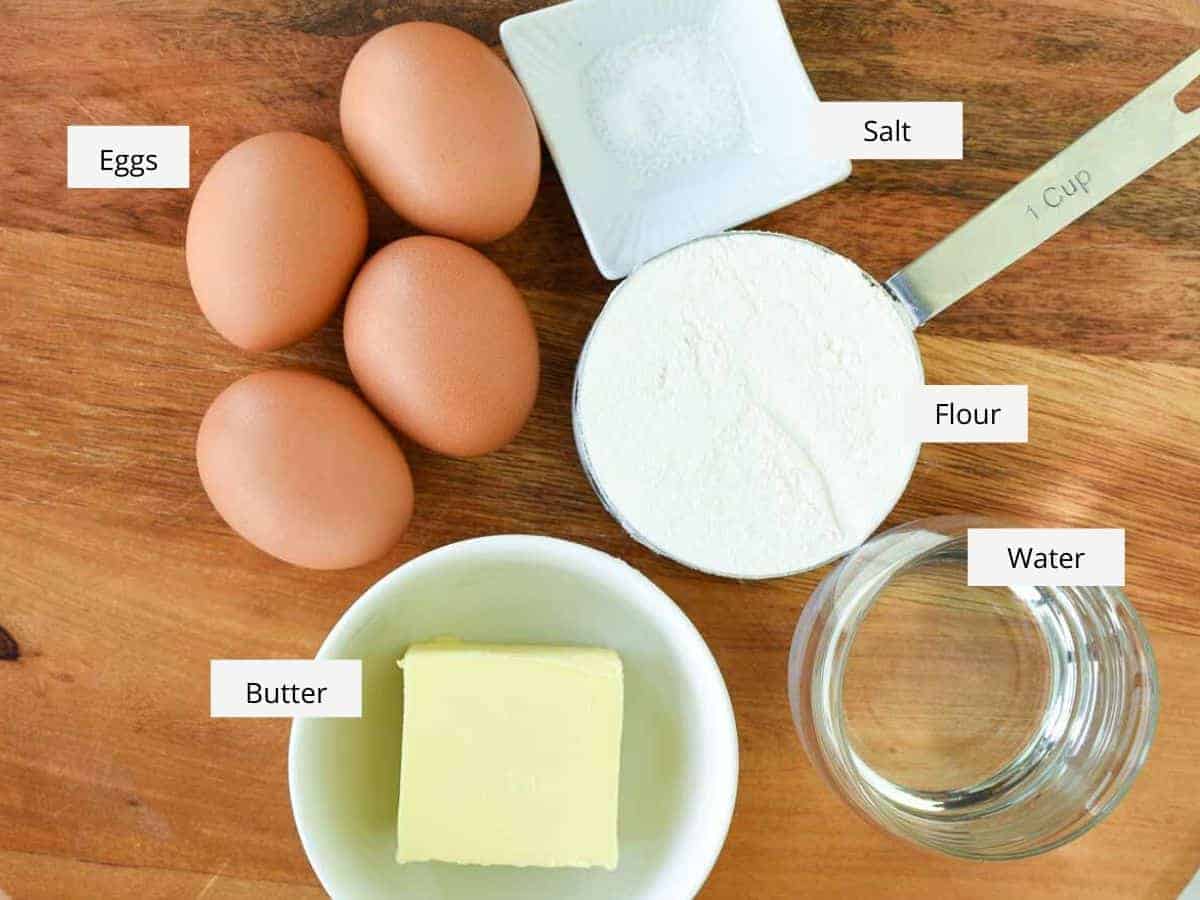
column 968, row 414
column 1046, row 557
column 128, row 156
column 285, row 688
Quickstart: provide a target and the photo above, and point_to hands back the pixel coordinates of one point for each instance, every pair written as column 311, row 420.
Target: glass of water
column 986, row 723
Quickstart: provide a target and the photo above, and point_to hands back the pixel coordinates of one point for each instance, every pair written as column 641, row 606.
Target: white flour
column 740, row 403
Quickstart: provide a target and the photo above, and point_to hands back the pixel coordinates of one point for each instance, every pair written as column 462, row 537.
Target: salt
column 665, row 101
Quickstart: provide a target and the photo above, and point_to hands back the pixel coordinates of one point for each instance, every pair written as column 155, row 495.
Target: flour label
column 285, row 688
column 1050, row 557
column 969, row 414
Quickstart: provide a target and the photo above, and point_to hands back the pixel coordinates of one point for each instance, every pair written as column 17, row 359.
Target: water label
column 1047, row 557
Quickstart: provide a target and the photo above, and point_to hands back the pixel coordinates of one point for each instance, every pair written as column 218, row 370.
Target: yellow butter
column 510, row 755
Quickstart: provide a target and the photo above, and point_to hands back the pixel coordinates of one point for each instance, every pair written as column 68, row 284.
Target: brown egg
column 276, row 232
column 300, row 467
column 440, row 127
column 441, row 343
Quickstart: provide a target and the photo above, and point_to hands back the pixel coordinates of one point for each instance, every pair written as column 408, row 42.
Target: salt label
column 1047, row 557
column 891, row 130
column 968, row 414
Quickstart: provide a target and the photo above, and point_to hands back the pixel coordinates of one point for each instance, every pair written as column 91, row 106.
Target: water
column 987, row 723
column 945, row 684
column 963, row 700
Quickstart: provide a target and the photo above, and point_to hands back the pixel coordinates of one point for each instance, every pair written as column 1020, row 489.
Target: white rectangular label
column 1050, row 557
column 893, row 130
column 285, row 688
column 128, row 156
column 969, row 414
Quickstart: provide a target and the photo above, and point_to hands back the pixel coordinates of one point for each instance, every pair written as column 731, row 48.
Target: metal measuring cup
column 1138, row 136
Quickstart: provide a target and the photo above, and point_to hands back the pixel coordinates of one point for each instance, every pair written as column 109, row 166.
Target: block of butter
column 510, row 755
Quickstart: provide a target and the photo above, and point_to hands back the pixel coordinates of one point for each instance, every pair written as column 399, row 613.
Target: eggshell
column 300, row 467
column 443, row 346
column 276, row 232
column 441, row 129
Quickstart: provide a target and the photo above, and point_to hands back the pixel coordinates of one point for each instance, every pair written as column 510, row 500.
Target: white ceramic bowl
column 679, row 757
column 716, row 85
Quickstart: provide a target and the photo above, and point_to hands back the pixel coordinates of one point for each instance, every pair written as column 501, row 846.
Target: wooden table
column 119, row 583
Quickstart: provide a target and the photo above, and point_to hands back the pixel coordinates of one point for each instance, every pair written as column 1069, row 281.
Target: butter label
column 887, row 130
column 285, row 688
column 128, row 156
column 1051, row 557
column 969, row 414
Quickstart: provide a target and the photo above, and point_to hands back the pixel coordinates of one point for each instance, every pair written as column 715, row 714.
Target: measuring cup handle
column 1132, row 140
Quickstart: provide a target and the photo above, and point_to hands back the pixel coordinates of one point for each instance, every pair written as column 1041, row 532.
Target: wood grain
column 118, row 582
column 38, row 877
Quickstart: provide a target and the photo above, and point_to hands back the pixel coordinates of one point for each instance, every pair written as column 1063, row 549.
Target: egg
column 276, row 231
column 441, row 129
column 301, row 467
column 441, row 343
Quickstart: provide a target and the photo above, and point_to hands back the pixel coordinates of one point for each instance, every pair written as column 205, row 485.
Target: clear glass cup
column 985, row 723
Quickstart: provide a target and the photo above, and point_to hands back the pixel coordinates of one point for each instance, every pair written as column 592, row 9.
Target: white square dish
column 669, row 120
